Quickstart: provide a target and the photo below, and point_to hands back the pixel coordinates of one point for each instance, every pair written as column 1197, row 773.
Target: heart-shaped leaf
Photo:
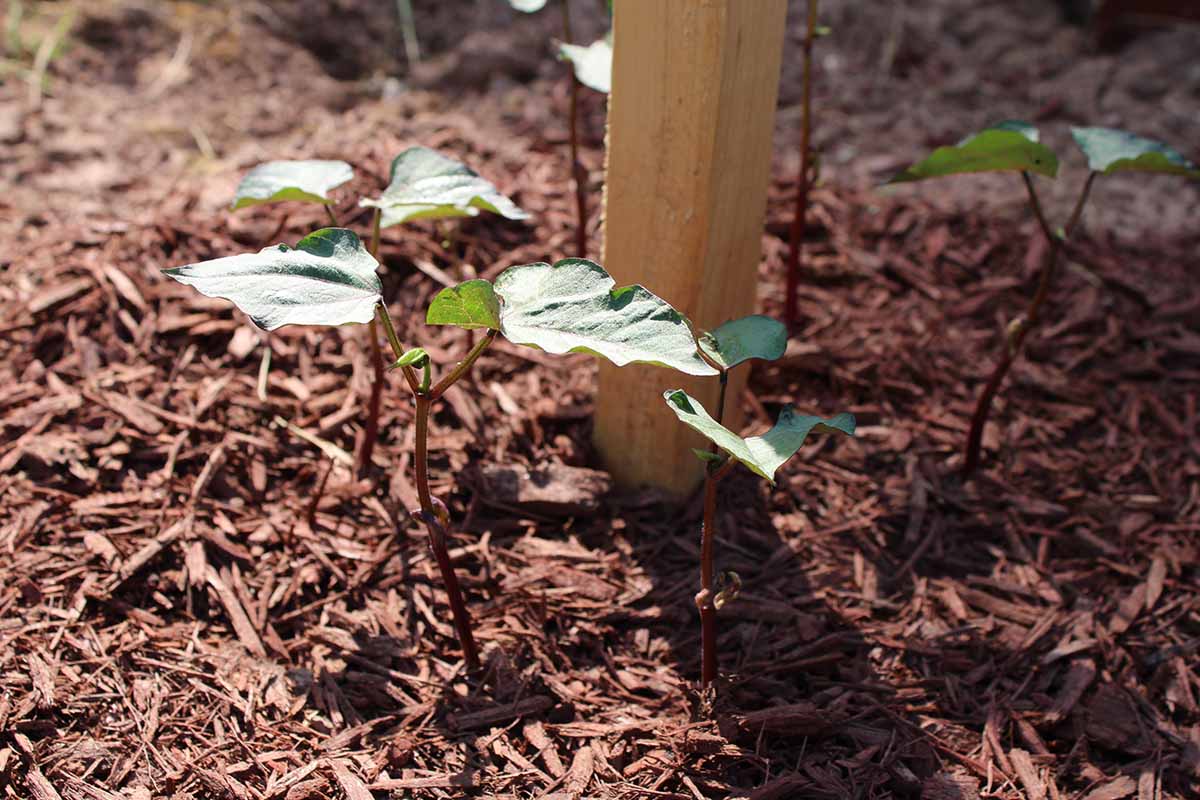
column 327, row 279
column 593, row 64
column 1109, row 150
column 427, row 185
column 1007, row 146
column 472, row 304
column 572, row 307
column 306, row 181
column 528, row 6
column 764, row 454
column 739, row 340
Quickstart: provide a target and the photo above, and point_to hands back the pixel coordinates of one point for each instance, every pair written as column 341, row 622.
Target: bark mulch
column 199, row 599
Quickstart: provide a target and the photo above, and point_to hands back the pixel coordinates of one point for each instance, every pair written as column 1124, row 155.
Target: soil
column 184, row 614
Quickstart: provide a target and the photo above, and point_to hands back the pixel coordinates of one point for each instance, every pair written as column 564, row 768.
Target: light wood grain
column 689, row 150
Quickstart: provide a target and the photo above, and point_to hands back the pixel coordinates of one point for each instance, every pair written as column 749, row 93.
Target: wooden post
column 690, row 125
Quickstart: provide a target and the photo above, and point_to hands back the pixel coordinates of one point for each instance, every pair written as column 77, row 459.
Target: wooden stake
column 691, row 117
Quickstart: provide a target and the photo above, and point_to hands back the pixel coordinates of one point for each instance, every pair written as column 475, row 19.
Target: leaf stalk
column 1020, row 330
column 578, row 173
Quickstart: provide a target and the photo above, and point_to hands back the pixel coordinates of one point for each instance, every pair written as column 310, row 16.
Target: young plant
column 729, row 345
column 592, row 67
column 423, row 185
column 1013, row 147
column 330, row 278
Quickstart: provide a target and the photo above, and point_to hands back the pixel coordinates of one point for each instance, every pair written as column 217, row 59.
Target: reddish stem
column 706, row 599
column 437, row 536
column 1019, row 332
column 790, row 311
column 708, row 611
column 371, row 433
column 578, row 173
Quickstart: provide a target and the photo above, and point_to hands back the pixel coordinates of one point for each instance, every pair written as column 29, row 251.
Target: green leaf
column 327, row 279
column 572, row 307
column 593, row 64
column 427, row 185
column 1007, row 146
column 1109, row 150
column 472, row 304
column 410, row 357
column 762, row 454
column 739, row 340
column 528, row 6
column 306, row 181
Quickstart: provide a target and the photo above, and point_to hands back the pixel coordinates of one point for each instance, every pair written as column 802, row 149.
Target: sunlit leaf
column 1109, row 150
column 328, row 278
column 1006, row 146
column 472, row 304
column 572, row 307
column 593, row 64
column 306, row 181
column 764, row 454
column 528, row 6
column 427, row 185
column 739, row 340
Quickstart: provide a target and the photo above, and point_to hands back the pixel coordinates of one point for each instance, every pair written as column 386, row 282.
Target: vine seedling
column 592, row 67
column 1013, row 146
column 753, row 337
column 424, row 184
column 329, row 278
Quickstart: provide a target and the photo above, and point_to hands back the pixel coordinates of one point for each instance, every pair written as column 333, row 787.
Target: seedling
column 329, row 278
column 724, row 348
column 423, row 185
column 1013, row 147
column 592, row 67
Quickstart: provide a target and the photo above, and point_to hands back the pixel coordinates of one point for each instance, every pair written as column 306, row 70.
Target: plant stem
column 1021, row 328
column 310, row 516
column 790, row 313
column 382, row 315
column 577, row 171
column 463, row 366
column 708, row 611
column 724, row 379
column 721, row 397
column 437, row 536
column 376, row 232
column 371, row 432
column 390, row 329
column 705, row 600
column 332, row 217
column 408, row 28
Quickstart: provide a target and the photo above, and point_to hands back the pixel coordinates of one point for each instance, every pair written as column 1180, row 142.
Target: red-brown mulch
column 172, row 624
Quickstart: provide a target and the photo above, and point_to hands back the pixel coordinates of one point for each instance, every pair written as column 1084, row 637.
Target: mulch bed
column 184, row 614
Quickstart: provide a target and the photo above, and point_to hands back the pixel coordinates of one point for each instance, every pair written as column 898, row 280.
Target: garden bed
column 178, row 619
